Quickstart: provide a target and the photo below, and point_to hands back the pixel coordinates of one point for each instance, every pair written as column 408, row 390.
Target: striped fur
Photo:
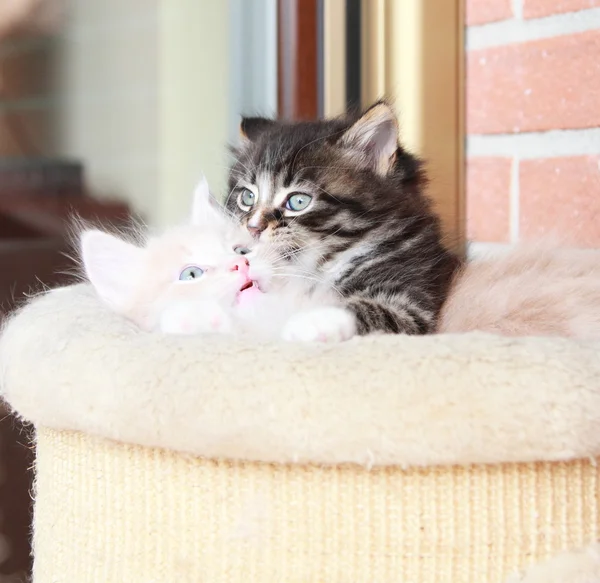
column 369, row 231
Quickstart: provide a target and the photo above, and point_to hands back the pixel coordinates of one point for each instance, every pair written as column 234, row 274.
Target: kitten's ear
column 205, row 209
column 373, row 139
column 111, row 265
column 252, row 127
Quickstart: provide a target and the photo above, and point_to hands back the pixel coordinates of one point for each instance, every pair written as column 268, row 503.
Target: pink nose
column 240, row 264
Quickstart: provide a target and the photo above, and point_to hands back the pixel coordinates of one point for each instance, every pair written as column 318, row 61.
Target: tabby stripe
column 375, row 269
column 391, row 323
column 337, row 231
column 352, row 275
column 420, row 322
column 363, row 326
column 373, row 316
column 289, row 175
column 335, row 249
column 353, row 206
column 385, row 253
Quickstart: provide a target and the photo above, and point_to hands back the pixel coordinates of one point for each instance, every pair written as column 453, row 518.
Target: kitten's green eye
column 191, row 273
column 246, row 199
column 298, row 202
column 241, row 250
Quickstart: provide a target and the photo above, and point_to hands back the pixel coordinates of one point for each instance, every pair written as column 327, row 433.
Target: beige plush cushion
column 448, row 459
column 68, row 363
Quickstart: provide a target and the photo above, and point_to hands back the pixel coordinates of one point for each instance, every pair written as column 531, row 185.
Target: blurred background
column 113, row 108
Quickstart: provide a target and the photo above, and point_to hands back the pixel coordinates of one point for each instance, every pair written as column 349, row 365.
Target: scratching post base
column 112, row 512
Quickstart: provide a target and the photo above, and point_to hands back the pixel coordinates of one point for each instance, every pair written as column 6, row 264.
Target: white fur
column 111, row 265
column 195, row 317
column 330, row 324
column 201, row 203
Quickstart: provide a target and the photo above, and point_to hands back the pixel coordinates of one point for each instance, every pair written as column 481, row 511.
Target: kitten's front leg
column 403, row 317
column 328, row 324
column 193, row 317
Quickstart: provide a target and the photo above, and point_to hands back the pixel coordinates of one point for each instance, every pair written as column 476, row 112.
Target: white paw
column 320, row 325
column 195, row 318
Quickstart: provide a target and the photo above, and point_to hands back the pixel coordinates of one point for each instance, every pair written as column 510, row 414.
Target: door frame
column 412, row 52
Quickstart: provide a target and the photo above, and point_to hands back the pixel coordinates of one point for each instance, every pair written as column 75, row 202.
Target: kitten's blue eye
column 241, row 250
column 298, row 202
column 246, row 199
column 191, row 273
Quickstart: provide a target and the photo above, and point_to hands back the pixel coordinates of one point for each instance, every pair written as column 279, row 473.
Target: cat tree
column 446, row 459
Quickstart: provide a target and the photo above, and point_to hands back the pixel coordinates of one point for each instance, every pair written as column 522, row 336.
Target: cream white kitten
column 203, row 277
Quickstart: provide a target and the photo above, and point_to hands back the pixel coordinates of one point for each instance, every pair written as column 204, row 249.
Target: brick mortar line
column 487, row 249
column 517, row 30
column 528, row 145
column 479, row 249
column 517, row 8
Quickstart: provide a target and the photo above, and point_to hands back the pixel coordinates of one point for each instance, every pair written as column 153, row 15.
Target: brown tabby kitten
column 344, row 201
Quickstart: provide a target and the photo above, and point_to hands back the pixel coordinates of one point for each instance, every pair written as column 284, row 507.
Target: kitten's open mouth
column 249, row 285
column 247, row 293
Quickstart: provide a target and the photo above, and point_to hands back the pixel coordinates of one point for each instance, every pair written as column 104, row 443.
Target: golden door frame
column 412, row 53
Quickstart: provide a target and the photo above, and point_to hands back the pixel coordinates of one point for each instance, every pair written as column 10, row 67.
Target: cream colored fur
column 537, row 289
column 67, row 362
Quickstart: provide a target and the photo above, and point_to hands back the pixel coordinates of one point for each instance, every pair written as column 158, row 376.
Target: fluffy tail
column 532, row 290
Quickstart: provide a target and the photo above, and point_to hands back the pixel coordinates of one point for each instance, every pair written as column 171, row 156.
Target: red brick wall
column 533, row 120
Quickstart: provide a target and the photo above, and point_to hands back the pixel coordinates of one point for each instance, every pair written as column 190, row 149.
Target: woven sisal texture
column 113, row 513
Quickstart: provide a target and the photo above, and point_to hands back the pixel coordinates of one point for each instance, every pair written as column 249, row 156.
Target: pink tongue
column 248, row 295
